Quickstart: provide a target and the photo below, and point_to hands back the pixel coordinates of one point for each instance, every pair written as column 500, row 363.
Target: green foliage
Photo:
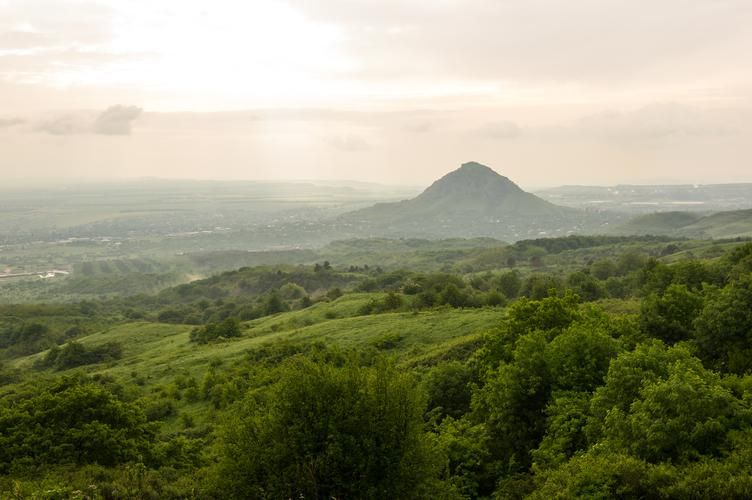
column 723, row 330
column 74, row 421
column 512, row 401
column 566, row 418
column 559, row 399
column 578, row 358
column 679, row 418
column 448, row 388
column 75, row 354
column 626, row 376
column 227, row 329
column 329, row 432
column 510, row 283
column 551, row 315
column 585, row 286
column 670, row 316
column 597, row 476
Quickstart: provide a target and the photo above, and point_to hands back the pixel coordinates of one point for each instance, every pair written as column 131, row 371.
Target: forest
column 578, row 367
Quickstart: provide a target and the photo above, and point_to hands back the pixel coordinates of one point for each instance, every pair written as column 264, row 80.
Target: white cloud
column 115, row 120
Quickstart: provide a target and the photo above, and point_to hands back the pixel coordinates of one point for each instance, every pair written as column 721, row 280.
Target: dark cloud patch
column 116, row 120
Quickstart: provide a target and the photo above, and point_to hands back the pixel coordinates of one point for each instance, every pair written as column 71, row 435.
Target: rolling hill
column 730, row 224
column 471, row 201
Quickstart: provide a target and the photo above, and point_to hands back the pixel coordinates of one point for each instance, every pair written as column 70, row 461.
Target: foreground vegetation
column 591, row 367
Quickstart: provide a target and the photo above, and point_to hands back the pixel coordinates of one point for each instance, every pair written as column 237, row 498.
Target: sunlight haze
column 547, row 92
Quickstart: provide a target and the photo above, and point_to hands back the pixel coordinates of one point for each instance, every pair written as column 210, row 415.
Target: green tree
column 510, row 283
column 585, row 286
column 682, row 417
column 447, row 387
column 627, row 373
column 329, row 432
column 73, row 421
column 723, row 330
column 579, row 358
column 670, row 316
column 566, row 418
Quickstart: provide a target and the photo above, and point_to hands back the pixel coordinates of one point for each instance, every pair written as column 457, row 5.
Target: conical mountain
column 473, row 200
column 477, row 188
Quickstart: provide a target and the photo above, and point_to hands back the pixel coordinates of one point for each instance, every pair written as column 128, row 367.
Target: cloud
column 63, row 125
column 11, row 122
column 349, row 143
column 503, row 130
column 116, row 120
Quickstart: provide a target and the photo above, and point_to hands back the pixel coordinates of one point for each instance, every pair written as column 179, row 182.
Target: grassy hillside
column 663, row 223
column 731, row 224
column 158, row 351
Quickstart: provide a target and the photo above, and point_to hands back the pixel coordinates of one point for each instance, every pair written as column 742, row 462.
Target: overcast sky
column 546, row 92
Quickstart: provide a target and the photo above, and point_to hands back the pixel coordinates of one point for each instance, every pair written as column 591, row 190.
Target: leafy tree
column 603, row 269
column 470, row 465
column 447, row 387
column 494, row 298
column 540, row 286
column 566, row 418
column 452, row 296
column 329, row 432
column 74, row 421
column 626, row 375
column 585, row 286
column 512, row 401
column 75, row 354
column 551, row 315
column 579, row 358
column 723, row 330
column 510, row 283
column 669, row 316
column 680, row 418
column 597, row 475
column 628, row 262
column 392, row 302
column 274, row 305
column 229, row 328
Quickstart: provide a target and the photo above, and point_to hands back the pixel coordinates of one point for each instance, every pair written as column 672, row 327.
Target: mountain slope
column 729, row 224
column 473, row 200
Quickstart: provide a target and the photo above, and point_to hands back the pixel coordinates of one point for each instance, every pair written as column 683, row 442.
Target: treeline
column 576, row 241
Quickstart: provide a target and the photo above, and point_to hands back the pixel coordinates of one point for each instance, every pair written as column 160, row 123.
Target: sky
column 546, row 92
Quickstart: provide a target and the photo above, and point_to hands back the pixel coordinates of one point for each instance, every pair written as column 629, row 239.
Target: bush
column 75, row 354
column 228, row 328
column 329, row 432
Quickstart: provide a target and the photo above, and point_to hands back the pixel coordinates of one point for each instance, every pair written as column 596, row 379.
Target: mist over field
column 375, row 249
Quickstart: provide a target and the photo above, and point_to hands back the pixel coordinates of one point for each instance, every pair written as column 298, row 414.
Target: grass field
column 157, row 352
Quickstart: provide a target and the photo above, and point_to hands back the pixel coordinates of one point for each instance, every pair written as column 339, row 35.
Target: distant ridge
column 471, row 201
column 726, row 224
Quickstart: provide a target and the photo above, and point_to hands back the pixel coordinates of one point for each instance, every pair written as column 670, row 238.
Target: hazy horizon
column 547, row 93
